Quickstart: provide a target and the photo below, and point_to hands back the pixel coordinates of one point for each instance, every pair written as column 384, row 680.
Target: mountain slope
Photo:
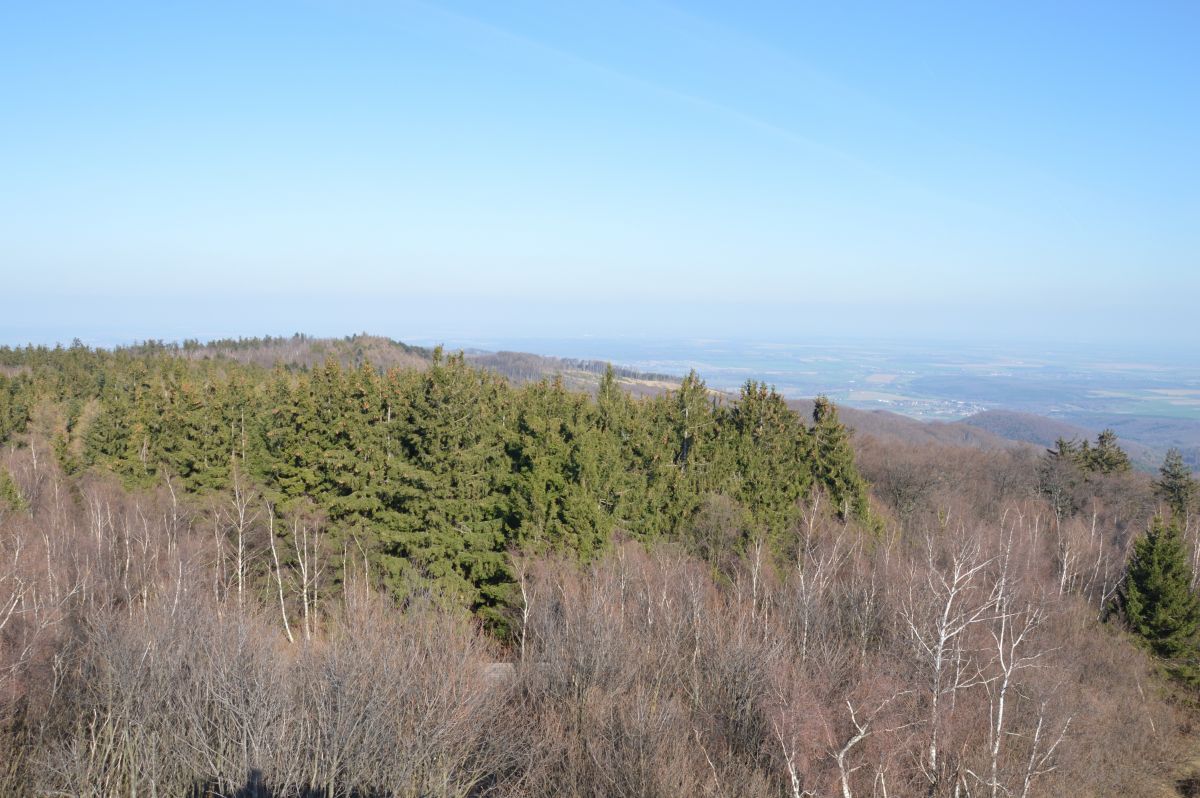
column 1045, row 431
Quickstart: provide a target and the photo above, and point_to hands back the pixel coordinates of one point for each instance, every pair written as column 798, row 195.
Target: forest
column 227, row 573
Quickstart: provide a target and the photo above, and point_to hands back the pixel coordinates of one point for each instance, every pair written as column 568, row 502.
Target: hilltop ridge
column 988, row 431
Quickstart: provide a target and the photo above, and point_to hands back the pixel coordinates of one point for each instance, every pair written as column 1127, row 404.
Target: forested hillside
column 222, row 577
column 300, row 351
column 305, row 352
column 436, row 472
column 580, row 375
column 1045, row 431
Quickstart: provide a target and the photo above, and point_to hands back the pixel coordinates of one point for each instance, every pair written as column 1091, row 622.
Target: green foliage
column 1067, row 471
column 772, row 452
column 1106, row 457
column 557, row 486
column 1159, row 603
column 15, row 401
column 438, row 473
column 10, row 495
column 1176, row 486
column 1060, row 477
column 833, row 462
column 447, row 485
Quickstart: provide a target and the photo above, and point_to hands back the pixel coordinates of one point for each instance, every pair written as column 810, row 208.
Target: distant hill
column 888, row 427
column 1026, row 427
column 302, row 351
column 579, row 375
column 1159, row 433
column 306, row 352
column 1045, row 431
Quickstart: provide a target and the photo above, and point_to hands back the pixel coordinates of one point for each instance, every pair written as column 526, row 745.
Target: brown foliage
column 958, row 653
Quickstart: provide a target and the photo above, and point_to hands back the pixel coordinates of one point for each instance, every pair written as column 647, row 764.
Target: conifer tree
column 1176, row 486
column 771, row 447
column 1107, row 457
column 14, row 404
column 627, row 456
column 449, row 485
column 1060, row 475
column 1160, row 605
column 1066, row 450
column 289, row 431
column 547, row 507
column 692, row 429
column 833, row 461
column 355, row 458
column 691, row 420
column 10, row 494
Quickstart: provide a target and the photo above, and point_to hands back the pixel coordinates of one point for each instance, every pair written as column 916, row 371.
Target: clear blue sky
column 956, row 170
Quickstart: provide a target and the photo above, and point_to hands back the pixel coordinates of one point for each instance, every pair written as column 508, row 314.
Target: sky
column 945, row 171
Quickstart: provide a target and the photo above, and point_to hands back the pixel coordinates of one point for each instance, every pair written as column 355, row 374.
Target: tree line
column 439, row 472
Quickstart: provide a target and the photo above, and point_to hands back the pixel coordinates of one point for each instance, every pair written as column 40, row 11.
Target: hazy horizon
column 526, row 326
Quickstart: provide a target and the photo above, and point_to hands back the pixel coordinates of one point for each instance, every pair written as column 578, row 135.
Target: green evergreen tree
column 1176, row 486
column 1107, row 457
column 10, row 494
column 692, row 428
column 1060, row 475
column 833, row 462
column 624, row 456
column 1160, row 605
column 1066, row 450
column 355, row 455
column 292, row 438
column 15, row 395
column 449, row 486
column 771, row 447
column 552, row 501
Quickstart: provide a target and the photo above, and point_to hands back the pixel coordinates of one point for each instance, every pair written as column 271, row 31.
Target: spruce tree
column 14, row 404
column 1107, row 457
column 770, row 446
column 1176, row 486
column 689, row 423
column 449, row 485
column 550, row 501
column 10, row 494
column 1160, row 605
column 1066, row 450
column 833, row 461
column 1060, row 476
